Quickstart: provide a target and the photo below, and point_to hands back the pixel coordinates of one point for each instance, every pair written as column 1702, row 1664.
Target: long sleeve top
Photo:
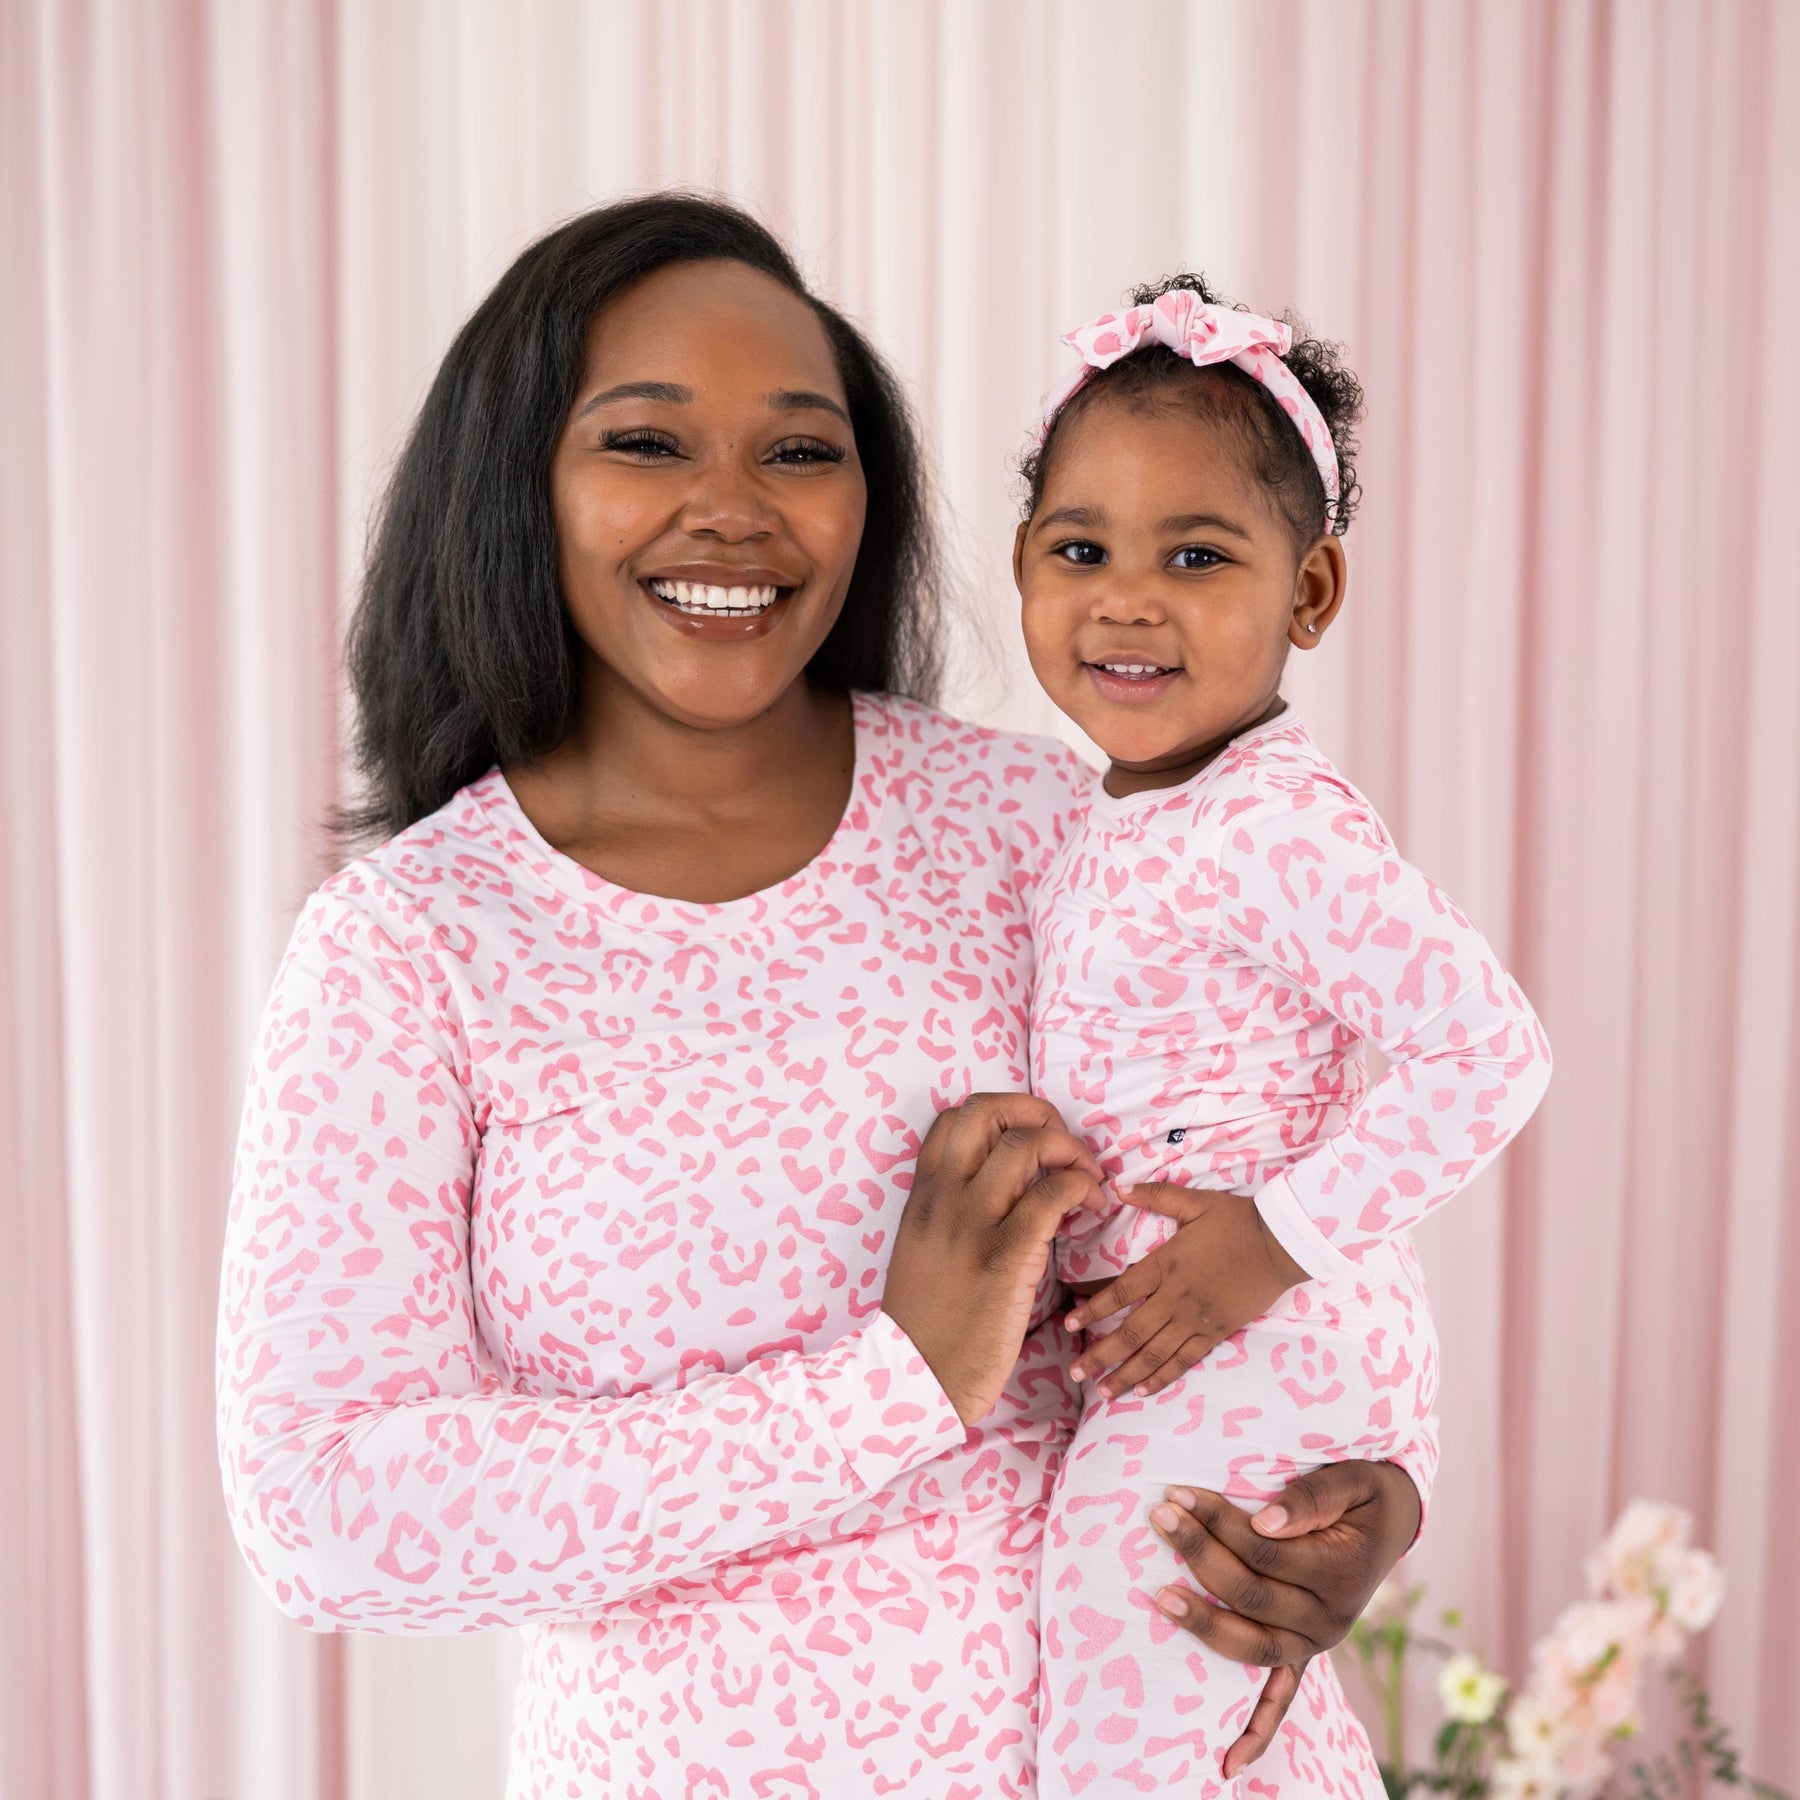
column 551, row 1289
column 1213, row 958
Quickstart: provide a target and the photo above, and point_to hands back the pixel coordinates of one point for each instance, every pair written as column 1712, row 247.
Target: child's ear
column 1319, row 585
column 1019, row 554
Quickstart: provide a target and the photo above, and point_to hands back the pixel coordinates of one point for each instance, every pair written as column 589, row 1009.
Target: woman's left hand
column 1296, row 1575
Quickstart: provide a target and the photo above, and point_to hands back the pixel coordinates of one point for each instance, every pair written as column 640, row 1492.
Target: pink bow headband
column 1203, row 334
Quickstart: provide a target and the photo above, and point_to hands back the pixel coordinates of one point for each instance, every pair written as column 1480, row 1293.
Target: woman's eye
column 1195, row 556
column 640, row 443
column 1080, row 552
column 807, row 450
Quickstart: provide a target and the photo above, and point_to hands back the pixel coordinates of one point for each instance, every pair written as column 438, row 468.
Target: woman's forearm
column 377, row 1475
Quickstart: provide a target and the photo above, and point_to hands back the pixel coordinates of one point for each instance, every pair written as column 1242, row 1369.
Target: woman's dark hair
column 461, row 653
column 1156, row 378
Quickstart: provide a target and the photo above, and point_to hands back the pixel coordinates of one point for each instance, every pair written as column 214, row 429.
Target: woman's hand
column 1296, row 1575
column 995, row 1178
column 1221, row 1269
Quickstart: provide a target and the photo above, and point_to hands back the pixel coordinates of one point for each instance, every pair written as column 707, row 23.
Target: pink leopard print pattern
column 552, row 1283
column 1211, row 960
column 549, row 1297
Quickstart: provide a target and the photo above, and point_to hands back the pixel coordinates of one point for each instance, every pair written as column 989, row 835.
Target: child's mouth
column 1130, row 681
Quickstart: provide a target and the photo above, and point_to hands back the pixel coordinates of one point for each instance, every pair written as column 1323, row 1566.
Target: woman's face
column 707, row 493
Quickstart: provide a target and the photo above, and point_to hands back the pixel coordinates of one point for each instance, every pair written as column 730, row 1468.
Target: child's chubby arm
column 1221, row 1269
column 1309, row 885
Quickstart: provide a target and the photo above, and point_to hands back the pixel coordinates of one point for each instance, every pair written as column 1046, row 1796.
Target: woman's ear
column 1319, row 585
column 1019, row 554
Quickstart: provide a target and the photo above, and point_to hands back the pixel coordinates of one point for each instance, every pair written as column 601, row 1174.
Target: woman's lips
column 1134, row 683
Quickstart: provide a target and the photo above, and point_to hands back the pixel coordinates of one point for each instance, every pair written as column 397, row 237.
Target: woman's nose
column 728, row 502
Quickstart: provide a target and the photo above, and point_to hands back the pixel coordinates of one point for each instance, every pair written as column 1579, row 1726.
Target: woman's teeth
column 699, row 597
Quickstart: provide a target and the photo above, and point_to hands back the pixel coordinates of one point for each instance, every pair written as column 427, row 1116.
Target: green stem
column 1395, row 1705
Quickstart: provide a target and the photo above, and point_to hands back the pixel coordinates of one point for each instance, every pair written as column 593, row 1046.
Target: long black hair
column 461, row 653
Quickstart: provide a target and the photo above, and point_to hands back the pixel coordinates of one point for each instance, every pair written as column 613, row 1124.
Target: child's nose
column 1126, row 603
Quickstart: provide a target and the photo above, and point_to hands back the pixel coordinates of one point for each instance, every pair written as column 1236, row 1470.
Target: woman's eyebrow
column 805, row 400
column 671, row 392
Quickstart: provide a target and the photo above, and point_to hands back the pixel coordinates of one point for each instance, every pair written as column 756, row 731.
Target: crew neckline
column 1114, row 807
column 847, row 848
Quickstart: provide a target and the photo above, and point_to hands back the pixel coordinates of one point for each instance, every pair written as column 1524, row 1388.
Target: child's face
column 1161, row 589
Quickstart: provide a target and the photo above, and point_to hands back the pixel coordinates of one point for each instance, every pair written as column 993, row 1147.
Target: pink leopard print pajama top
column 552, row 1278
column 1212, row 959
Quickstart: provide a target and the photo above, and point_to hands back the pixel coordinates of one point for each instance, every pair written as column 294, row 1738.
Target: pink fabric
column 553, row 1273
column 236, row 241
column 1184, row 323
column 1212, row 958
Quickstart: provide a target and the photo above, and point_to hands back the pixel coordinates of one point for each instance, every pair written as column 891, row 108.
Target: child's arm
column 1317, row 892
column 1221, row 1269
column 1320, row 893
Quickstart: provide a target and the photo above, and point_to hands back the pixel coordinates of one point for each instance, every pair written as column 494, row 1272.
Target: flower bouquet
column 1562, row 1735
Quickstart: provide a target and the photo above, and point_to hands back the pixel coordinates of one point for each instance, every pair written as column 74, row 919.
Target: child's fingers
column 1165, row 1197
column 1177, row 1366
column 1138, row 1282
column 1120, row 1344
column 1135, row 1374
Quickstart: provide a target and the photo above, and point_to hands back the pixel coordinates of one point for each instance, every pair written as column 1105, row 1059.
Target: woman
column 586, row 1270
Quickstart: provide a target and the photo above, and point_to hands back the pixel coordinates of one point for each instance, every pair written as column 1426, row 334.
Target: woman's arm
column 378, row 1475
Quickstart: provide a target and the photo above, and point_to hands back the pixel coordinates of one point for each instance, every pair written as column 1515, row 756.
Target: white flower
column 1470, row 1693
column 1584, row 1765
column 1695, row 1587
column 1612, row 1696
column 1634, row 1560
column 1524, row 1781
column 1592, row 1632
column 1535, row 1732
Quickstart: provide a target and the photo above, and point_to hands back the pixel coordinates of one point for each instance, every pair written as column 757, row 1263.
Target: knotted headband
column 1204, row 334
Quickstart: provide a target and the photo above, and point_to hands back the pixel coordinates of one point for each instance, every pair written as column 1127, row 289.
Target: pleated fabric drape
column 1558, row 239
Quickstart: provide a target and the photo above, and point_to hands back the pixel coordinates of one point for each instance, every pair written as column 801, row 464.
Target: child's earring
column 1313, row 629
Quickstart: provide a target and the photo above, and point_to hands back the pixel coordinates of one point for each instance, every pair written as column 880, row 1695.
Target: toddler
column 1228, row 925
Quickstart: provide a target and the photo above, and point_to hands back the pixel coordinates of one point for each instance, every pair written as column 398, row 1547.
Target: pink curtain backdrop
column 1561, row 243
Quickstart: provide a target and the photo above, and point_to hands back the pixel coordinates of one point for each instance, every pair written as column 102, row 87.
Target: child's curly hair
column 1156, row 377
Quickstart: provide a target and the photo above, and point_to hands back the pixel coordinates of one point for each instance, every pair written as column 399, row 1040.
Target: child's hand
column 1221, row 1269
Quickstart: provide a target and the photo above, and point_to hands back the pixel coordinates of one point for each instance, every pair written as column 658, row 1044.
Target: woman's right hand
column 994, row 1179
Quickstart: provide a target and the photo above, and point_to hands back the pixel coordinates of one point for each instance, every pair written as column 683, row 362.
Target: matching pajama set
column 1211, row 960
column 552, row 1279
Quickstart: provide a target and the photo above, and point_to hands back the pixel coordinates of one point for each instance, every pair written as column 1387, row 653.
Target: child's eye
column 1195, row 556
column 640, row 442
column 807, row 450
column 1081, row 552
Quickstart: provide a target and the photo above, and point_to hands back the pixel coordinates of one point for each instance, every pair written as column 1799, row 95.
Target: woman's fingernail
column 1142, row 1390
column 1171, row 1602
column 1078, row 1373
column 1184, row 1497
column 1165, row 1515
column 1073, row 1321
column 1271, row 1518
